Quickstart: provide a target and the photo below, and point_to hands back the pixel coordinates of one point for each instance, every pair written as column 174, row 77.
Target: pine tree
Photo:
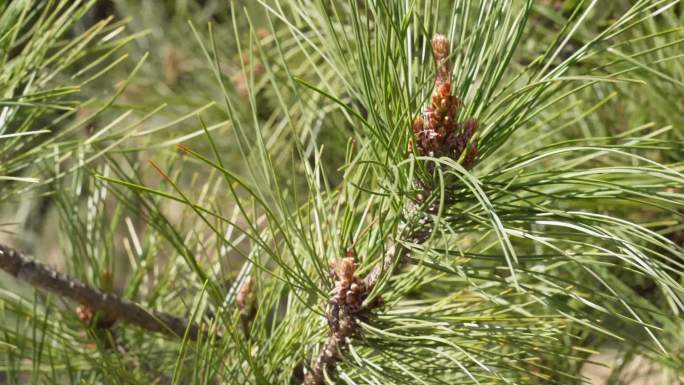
column 364, row 192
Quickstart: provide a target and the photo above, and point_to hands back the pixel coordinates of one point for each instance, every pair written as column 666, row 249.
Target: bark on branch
column 35, row 273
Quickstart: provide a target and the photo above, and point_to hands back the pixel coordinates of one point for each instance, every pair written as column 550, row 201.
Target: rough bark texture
column 35, row 273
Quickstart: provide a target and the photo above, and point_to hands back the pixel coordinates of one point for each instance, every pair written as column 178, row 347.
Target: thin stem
column 35, row 273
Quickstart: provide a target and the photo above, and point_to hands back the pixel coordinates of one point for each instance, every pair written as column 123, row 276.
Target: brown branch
column 27, row 269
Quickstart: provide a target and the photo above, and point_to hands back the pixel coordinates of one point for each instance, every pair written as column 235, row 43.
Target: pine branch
column 347, row 307
column 27, row 269
column 437, row 133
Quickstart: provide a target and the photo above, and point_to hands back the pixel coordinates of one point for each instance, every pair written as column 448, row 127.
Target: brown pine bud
column 350, row 299
column 245, row 295
column 444, row 90
column 346, row 268
column 418, row 124
column 440, row 46
column 85, row 314
column 247, row 304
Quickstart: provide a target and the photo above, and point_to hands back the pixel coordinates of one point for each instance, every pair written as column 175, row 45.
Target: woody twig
column 35, row 273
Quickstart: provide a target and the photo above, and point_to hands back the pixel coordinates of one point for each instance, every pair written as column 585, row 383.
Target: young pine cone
column 437, row 131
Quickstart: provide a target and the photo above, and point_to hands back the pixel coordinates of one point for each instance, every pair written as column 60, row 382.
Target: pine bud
column 418, row 124
column 245, row 295
column 440, row 46
column 438, row 132
column 345, row 270
column 85, row 314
